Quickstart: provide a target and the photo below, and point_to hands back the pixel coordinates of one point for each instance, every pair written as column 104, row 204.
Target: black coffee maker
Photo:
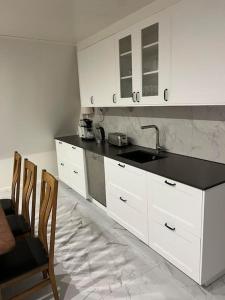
column 86, row 130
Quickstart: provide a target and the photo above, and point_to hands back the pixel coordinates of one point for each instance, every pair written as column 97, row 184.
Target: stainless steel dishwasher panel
column 96, row 177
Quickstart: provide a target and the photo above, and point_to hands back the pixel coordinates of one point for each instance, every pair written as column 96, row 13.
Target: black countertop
column 198, row 173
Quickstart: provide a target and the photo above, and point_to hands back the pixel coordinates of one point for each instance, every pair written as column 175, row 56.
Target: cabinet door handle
column 122, row 166
column 73, row 147
column 92, row 99
column 62, row 164
column 170, row 228
column 170, row 183
column 60, row 143
column 166, row 95
column 124, row 200
column 134, row 97
column 138, row 96
column 114, row 98
column 75, row 172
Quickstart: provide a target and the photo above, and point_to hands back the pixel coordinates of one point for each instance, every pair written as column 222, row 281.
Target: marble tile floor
column 97, row 259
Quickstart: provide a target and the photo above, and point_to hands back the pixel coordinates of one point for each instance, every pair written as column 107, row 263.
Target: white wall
column 44, row 160
column 39, row 99
column 59, row 20
column 139, row 15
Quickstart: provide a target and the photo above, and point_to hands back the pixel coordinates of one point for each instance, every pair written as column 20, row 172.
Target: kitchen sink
column 140, row 156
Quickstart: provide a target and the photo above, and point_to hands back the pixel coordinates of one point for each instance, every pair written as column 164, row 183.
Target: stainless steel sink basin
column 140, row 156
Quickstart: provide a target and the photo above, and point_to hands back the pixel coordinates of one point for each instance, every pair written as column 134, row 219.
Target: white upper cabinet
column 198, row 48
column 143, row 61
column 175, row 57
column 154, row 60
column 126, row 67
column 96, row 66
column 85, row 76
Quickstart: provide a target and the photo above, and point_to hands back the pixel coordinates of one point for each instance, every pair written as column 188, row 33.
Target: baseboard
column 97, row 203
column 5, row 189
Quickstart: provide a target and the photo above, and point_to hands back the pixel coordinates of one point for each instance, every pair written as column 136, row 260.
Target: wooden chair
column 24, row 224
column 32, row 255
column 10, row 206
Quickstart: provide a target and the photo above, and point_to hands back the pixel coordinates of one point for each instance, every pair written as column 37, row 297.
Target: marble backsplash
column 193, row 131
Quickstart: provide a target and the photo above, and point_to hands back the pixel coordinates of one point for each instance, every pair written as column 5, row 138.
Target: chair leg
column 53, row 284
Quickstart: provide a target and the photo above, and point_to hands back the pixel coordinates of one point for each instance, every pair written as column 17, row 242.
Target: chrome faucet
column 157, row 134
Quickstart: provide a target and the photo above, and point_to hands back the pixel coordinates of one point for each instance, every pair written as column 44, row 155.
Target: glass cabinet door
column 150, row 60
column 143, row 62
column 125, row 67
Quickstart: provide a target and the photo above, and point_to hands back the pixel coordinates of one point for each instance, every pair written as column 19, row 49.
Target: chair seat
column 7, row 206
column 27, row 255
column 18, row 224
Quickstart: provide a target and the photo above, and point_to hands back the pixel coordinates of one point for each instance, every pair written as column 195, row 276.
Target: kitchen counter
column 198, row 173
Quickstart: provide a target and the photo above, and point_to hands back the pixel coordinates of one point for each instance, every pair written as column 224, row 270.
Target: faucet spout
column 157, row 134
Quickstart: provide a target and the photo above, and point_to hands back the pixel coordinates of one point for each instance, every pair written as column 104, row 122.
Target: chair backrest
column 29, row 189
column 15, row 192
column 48, row 205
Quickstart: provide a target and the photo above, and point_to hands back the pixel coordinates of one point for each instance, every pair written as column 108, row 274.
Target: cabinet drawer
column 175, row 202
column 180, row 247
column 129, row 210
column 73, row 176
column 131, row 200
column 59, row 148
column 63, row 170
column 126, row 177
column 73, row 154
column 77, row 180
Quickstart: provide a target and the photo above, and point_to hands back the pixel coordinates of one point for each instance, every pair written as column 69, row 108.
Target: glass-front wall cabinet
column 154, row 59
column 150, row 60
column 125, row 66
column 142, row 58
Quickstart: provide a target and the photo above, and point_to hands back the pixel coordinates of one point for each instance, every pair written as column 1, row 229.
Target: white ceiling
column 62, row 20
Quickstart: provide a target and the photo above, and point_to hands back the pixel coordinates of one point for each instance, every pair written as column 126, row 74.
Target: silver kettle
column 99, row 133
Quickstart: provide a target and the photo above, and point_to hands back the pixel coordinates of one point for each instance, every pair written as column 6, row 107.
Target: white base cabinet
column 126, row 197
column 180, row 247
column 183, row 224
column 186, row 226
column 72, row 167
column 175, row 223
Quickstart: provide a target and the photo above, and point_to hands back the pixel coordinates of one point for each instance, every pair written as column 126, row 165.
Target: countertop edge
column 117, row 158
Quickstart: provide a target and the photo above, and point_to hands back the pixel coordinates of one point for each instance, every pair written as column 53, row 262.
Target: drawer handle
column 170, row 228
column 169, row 183
column 62, row 164
column 122, row 166
column 134, row 96
column 73, row 147
column 138, row 96
column 75, row 172
column 165, row 95
column 60, row 143
column 114, row 98
column 124, row 200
